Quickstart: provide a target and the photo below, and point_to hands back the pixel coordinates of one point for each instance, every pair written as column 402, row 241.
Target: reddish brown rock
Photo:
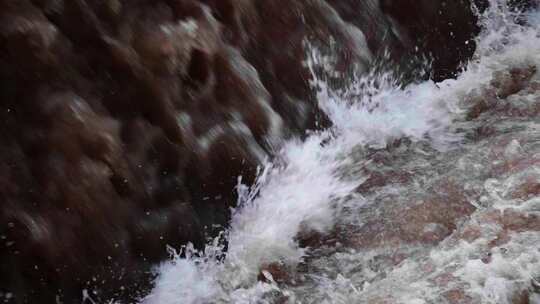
column 426, row 222
column 481, row 104
column 519, row 221
column 521, row 297
column 457, row 296
column 470, row 233
column 380, row 179
column 443, row 280
column 528, row 189
column 275, row 272
column 513, row 81
column 505, row 84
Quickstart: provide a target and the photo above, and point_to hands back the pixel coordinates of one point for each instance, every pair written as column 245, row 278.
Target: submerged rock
column 442, row 31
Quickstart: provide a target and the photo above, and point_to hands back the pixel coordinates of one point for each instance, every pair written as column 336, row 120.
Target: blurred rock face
column 442, row 30
column 125, row 124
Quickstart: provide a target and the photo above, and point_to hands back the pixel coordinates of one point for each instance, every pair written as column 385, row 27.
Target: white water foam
column 303, row 187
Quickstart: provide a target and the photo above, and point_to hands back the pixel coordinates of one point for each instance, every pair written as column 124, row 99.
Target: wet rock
column 470, row 232
column 529, row 189
column 173, row 226
column 428, row 25
column 215, row 173
column 505, row 84
column 275, row 272
column 427, row 221
column 443, row 280
column 457, row 296
column 517, row 221
column 481, row 104
column 309, row 238
column 34, row 45
column 157, row 50
column 511, row 222
column 513, row 81
column 521, row 297
column 380, row 179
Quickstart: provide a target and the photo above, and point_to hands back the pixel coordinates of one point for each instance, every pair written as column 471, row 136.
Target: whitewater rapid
column 311, row 183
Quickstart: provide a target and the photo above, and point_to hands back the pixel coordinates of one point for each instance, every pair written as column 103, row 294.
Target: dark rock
column 441, row 30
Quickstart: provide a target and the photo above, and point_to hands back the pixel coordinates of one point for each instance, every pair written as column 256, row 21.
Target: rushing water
column 311, row 185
